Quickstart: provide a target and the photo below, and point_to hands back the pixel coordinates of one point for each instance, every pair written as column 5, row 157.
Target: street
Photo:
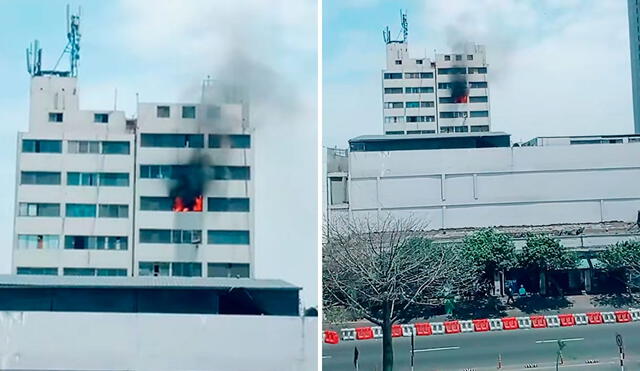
column 480, row 351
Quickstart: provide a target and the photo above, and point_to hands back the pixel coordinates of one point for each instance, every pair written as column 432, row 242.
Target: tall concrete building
column 634, row 41
column 449, row 94
column 166, row 194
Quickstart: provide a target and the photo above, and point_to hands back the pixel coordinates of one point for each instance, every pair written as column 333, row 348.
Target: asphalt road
column 479, row 351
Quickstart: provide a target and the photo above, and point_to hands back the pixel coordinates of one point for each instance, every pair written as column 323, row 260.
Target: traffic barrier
column 552, row 321
column 566, row 319
column 538, row 321
column 510, row 323
column 407, row 330
column 581, row 318
column 623, row 316
column 635, row 314
column 466, row 326
column 452, row 327
column 377, row 332
column 608, row 317
column 495, row 324
column 437, row 327
column 331, row 337
column 594, row 318
column 480, row 325
column 364, row 333
column 423, row 329
column 524, row 322
column 396, row 331
column 348, row 334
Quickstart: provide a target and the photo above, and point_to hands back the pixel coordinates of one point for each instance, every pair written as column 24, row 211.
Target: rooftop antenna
column 34, row 54
column 386, row 34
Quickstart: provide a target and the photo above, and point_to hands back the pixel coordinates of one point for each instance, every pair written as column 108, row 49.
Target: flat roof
column 413, row 142
column 7, row 281
column 373, row 138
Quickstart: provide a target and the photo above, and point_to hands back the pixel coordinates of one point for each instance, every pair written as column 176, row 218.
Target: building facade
column 166, row 194
column 449, row 94
column 634, row 51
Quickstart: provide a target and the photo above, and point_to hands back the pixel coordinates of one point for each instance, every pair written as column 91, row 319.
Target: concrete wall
column 499, row 186
column 106, row 341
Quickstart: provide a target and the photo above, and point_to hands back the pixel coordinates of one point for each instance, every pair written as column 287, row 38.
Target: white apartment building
column 633, row 7
column 449, row 94
column 97, row 194
column 470, row 180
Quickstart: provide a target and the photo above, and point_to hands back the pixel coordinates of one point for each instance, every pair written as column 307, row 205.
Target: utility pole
column 412, row 349
column 621, row 349
column 559, row 360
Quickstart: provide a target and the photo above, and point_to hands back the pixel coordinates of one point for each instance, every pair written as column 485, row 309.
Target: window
column 230, row 173
column 38, row 209
column 393, row 119
column 38, row 241
column 79, row 271
column 221, row 237
column 156, row 203
column 479, row 114
column 458, row 57
column 172, row 140
column 163, row 111
column 469, row 57
column 81, row 210
column 115, row 148
column 170, row 236
column 394, row 105
column 392, row 76
column 101, row 118
column 424, row 104
column 394, row 132
column 83, row 146
column 37, row 271
column 477, row 70
column 41, row 146
column 230, row 141
column 426, row 75
column 393, row 90
column 213, row 112
column 418, row 61
column 454, row 129
column 40, row 177
column 111, row 272
column 444, row 85
column 421, row 131
column 113, row 179
column 95, row 242
column 479, row 128
column 94, row 179
column 113, row 211
column 421, row 118
column 234, row 270
column 482, row 99
column 55, row 117
column 478, row 84
column 186, row 269
column 451, row 115
column 398, row 61
column 419, row 90
column 153, row 269
column 447, row 57
column 447, row 100
column 412, row 75
column 228, row 204
column 188, row 112
column 82, row 179
column 452, row 71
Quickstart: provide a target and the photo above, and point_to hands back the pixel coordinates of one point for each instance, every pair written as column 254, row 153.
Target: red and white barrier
column 483, row 325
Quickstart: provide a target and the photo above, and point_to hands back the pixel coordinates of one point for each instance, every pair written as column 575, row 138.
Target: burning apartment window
column 163, row 111
column 38, row 209
column 40, row 177
column 188, row 112
column 227, row 237
column 101, row 118
column 229, row 141
column 55, row 117
column 40, row 271
column 238, row 204
column 186, row 269
column 153, row 269
column 80, row 210
column 231, row 270
column 41, row 146
column 38, row 241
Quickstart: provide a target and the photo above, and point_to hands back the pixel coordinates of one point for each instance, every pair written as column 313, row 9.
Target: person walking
column 509, row 293
column 522, row 291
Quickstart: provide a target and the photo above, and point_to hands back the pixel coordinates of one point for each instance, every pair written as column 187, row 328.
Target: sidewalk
column 495, row 308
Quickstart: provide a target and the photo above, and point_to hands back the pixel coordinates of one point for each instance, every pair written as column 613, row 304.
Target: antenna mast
column 386, row 34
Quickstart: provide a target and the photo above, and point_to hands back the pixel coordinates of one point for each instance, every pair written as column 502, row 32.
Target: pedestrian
column 522, row 291
column 509, row 292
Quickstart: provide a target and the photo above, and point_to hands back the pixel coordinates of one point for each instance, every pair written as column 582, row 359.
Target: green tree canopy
column 625, row 255
column 545, row 253
column 490, row 250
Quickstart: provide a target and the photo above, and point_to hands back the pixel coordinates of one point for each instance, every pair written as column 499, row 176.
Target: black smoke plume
column 459, row 89
column 189, row 183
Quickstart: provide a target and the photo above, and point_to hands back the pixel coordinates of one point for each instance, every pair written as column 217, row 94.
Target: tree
column 543, row 253
column 623, row 255
column 490, row 251
column 382, row 269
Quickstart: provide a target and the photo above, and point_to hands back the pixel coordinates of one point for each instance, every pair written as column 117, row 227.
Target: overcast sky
column 162, row 50
column 556, row 67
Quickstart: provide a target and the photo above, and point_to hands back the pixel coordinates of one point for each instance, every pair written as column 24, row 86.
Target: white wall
column 101, row 341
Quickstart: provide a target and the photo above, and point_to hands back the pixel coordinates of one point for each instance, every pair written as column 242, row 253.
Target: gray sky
column 556, row 67
column 163, row 50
